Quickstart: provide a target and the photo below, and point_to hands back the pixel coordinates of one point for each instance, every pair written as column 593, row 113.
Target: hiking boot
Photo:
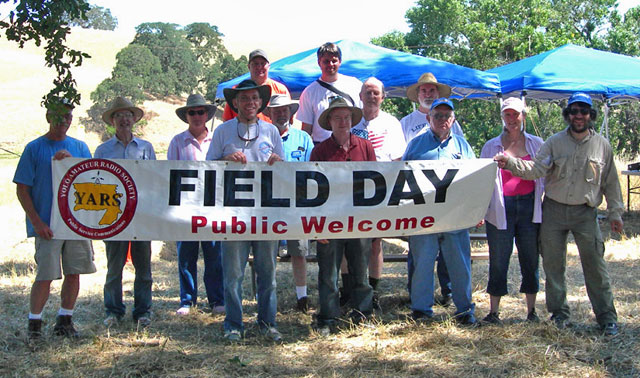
column 35, row 329
column 492, row 318
column 111, row 320
column 466, row 319
column 303, row 305
column 560, row 321
column 233, row 335
column 144, row 321
column 610, row 329
column 442, row 300
column 533, row 317
column 419, row 316
column 271, row 333
column 64, row 327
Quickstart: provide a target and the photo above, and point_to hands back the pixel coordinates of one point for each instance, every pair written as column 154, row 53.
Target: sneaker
column 466, row 319
column 492, row 318
column 533, row 317
column 184, row 310
column 233, row 335
column 419, row 316
column 325, row 327
column 218, row 309
column 64, row 327
column 35, row 329
column 610, row 329
column 285, row 257
column 111, row 321
column 303, row 305
column 376, row 302
column 442, row 300
column 144, row 321
column 560, row 321
column 324, row 330
column 271, row 333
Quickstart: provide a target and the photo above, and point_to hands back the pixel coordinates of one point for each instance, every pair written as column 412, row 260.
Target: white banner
column 214, row 200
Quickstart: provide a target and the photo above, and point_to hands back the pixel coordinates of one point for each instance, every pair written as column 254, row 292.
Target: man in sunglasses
column 579, row 169
column 193, row 145
column 246, row 138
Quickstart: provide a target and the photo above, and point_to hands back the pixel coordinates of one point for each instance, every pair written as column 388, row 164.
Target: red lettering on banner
column 427, row 222
column 197, row 222
column 279, row 227
column 238, row 227
column 362, row 224
column 312, row 223
column 336, row 226
column 222, row 229
column 383, row 224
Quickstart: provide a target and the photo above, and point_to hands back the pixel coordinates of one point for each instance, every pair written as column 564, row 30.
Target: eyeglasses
column 123, row 115
column 440, row 117
column 194, row 112
column 583, row 111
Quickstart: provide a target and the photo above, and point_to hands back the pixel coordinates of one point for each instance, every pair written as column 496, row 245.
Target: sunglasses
column 583, row 111
column 194, row 112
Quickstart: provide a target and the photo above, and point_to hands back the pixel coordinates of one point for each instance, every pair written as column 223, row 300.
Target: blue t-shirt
column 297, row 145
column 34, row 170
column 428, row 147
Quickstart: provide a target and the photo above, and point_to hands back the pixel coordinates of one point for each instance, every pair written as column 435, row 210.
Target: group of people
column 342, row 121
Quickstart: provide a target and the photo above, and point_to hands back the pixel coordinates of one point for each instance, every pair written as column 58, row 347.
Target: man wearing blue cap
column 578, row 168
column 439, row 143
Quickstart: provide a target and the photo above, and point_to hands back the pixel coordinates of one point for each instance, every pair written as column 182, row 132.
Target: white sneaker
column 183, row 311
column 272, row 334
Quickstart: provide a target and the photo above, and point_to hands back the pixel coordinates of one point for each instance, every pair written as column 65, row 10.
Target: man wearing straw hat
column 342, row 146
column 122, row 115
column 246, row 138
column 424, row 92
column 259, row 71
column 54, row 258
column 297, row 146
column 193, row 144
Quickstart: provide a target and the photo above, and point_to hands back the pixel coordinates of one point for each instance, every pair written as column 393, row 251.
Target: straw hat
column 427, row 78
column 195, row 101
column 356, row 113
column 121, row 103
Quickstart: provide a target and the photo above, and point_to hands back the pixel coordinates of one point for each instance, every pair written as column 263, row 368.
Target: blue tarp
column 397, row 70
column 557, row 73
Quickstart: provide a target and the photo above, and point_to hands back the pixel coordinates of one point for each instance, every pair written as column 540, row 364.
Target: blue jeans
column 357, row 253
column 234, row 260
column 441, row 270
column 456, row 251
column 188, row 272
column 116, row 258
column 519, row 212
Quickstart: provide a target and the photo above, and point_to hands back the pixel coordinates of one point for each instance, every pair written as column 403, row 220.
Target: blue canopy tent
column 396, row 69
column 556, row 74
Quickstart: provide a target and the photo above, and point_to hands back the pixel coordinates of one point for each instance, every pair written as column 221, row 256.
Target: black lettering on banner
column 414, row 193
column 380, row 184
column 440, row 185
column 209, row 188
column 266, row 190
column 302, row 177
column 230, row 188
column 176, row 186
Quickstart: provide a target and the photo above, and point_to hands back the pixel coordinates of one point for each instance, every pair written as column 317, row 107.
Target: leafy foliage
column 45, row 21
column 96, row 17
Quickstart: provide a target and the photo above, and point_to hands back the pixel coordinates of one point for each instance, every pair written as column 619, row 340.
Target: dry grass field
column 388, row 345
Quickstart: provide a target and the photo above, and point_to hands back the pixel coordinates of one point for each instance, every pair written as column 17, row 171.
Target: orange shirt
column 276, row 88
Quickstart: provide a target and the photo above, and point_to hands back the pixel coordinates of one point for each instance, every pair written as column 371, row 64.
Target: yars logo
column 97, row 198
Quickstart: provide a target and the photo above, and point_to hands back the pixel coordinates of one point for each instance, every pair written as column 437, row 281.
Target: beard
column 426, row 102
column 580, row 129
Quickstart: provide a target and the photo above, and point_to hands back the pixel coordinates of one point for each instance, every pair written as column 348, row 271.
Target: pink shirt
column 185, row 147
column 516, row 186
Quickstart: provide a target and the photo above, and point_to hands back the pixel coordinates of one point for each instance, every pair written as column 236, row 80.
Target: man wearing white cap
column 578, row 167
column 259, row 70
column 297, row 146
column 122, row 115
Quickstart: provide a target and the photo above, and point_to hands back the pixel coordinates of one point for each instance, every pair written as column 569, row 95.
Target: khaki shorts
column 298, row 248
column 54, row 257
